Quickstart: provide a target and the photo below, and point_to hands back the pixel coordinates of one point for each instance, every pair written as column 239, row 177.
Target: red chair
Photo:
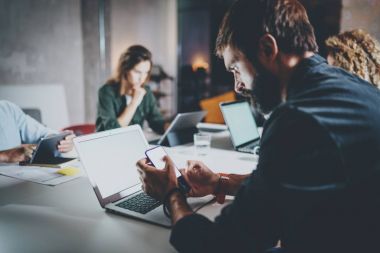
column 81, row 129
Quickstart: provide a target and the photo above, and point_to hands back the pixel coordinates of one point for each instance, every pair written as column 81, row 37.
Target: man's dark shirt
column 317, row 186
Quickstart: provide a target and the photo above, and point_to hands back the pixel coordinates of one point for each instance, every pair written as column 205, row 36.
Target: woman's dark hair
column 248, row 20
column 129, row 59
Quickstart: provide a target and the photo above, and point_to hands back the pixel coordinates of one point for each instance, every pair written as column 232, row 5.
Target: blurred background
column 55, row 54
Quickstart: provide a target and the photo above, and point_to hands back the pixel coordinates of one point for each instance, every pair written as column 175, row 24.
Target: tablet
column 182, row 128
column 47, row 151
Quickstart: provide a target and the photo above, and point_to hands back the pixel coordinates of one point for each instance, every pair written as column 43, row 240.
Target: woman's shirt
column 111, row 104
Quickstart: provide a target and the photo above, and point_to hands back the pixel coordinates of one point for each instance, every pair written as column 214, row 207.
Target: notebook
column 109, row 159
column 242, row 126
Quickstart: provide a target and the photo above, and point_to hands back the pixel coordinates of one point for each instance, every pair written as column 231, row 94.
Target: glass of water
column 202, row 143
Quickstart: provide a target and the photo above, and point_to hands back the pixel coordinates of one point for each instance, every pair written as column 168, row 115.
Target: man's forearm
column 234, row 183
column 3, row 156
column 179, row 207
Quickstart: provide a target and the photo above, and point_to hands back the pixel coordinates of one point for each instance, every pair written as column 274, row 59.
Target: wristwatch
column 220, row 191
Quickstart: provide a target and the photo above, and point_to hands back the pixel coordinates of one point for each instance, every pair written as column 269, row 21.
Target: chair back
column 211, row 105
column 81, row 129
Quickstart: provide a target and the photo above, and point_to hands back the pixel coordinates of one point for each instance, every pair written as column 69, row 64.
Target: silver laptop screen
column 241, row 122
column 110, row 161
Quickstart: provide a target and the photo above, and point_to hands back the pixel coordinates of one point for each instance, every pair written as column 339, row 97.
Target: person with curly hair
column 357, row 52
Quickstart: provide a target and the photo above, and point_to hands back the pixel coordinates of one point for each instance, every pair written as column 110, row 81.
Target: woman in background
column 125, row 100
column 357, row 52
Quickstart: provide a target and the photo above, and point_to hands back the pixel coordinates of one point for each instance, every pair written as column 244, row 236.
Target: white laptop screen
column 110, row 161
column 241, row 122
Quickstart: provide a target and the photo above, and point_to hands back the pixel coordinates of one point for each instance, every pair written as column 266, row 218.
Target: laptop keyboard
column 140, row 203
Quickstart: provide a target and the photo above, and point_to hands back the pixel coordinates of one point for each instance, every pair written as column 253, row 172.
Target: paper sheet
column 36, row 174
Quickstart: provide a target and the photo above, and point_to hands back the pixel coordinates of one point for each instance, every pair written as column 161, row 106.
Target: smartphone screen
column 156, row 155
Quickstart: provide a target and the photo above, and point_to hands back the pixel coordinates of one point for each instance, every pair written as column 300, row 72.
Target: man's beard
column 266, row 92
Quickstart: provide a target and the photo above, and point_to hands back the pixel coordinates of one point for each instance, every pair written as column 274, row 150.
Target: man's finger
column 185, row 176
column 169, row 165
column 140, row 171
column 167, row 159
column 190, row 163
column 142, row 164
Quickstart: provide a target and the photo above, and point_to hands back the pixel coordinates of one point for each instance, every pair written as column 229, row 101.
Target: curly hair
column 358, row 52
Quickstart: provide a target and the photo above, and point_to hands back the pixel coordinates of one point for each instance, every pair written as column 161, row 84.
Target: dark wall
column 197, row 29
column 325, row 16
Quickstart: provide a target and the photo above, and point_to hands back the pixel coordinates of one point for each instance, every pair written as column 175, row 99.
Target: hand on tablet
column 66, row 145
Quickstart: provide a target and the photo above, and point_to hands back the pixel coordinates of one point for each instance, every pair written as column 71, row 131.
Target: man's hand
column 18, row 154
column 201, row 179
column 138, row 95
column 157, row 183
column 67, row 144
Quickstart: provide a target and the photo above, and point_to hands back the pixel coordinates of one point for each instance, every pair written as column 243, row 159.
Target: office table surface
column 68, row 217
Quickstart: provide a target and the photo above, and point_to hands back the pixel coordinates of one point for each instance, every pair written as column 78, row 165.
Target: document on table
column 37, row 174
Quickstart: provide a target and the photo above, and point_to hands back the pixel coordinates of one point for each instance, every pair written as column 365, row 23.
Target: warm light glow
column 199, row 62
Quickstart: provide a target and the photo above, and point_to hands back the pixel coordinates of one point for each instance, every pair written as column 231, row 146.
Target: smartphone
column 156, row 155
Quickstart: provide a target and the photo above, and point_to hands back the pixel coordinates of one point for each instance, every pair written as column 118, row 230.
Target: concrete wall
column 57, row 42
column 41, row 43
column 151, row 23
column 363, row 14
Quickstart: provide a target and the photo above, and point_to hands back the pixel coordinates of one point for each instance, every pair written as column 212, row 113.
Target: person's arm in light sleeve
column 31, row 131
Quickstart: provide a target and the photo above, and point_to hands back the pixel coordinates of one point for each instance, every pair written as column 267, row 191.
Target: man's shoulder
column 289, row 122
column 7, row 107
column 286, row 113
column 7, row 104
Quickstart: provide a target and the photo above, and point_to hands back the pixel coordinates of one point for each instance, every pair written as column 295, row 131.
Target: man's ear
column 268, row 48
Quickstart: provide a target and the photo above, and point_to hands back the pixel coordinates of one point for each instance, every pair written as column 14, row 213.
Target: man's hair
column 248, row 20
column 357, row 52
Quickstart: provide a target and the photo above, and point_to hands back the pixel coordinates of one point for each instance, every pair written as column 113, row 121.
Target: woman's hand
column 138, row 95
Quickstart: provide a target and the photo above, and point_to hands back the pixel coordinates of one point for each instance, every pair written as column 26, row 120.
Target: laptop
column 109, row 159
column 242, row 125
column 46, row 152
column 181, row 129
